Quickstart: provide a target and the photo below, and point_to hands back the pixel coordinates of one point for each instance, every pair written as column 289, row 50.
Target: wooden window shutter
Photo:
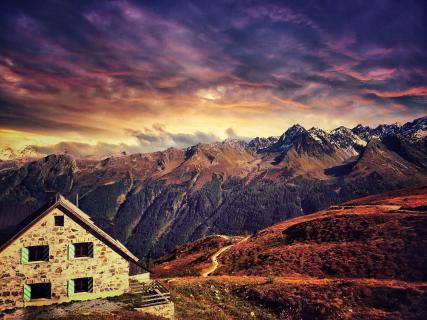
column 90, row 285
column 70, row 288
column 24, row 255
column 71, row 251
column 46, row 254
column 27, row 292
column 90, row 249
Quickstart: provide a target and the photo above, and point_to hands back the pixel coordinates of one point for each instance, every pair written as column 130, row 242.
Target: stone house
column 58, row 254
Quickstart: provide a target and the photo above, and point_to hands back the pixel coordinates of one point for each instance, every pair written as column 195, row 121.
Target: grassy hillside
column 190, row 259
column 364, row 259
column 368, row 238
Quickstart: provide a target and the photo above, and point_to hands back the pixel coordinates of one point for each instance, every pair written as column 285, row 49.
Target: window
column 59, row 221
column 82, row 249
column 38, row 253
column 37, row 291
column 80, row 285
column 35, row 253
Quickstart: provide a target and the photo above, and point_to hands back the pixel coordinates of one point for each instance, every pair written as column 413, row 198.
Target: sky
column 141, row 76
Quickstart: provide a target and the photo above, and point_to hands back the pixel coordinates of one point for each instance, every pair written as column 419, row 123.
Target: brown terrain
column 297, row 245
column 375, row 237
column 364, row 259
column 190, row 259
column 157, row 201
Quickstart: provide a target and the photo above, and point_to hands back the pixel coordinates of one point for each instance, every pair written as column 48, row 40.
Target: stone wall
column 143, row 277
column 108, row 269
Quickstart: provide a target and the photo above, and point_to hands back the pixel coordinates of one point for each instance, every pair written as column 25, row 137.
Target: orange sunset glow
column 141, row 76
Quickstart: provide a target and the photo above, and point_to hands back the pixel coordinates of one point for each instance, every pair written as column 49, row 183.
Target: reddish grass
column 409, row 198
column 339, row 300
column 299, row 298
column 365, row 241
column 190, row 259
column 364, row 259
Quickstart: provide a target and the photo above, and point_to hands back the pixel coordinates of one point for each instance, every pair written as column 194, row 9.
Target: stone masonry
column 110, row 271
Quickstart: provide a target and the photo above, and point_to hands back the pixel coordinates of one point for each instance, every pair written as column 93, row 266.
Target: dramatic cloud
column 158, row 138
column 83, row 150
column 148, row 140
column 104, row 72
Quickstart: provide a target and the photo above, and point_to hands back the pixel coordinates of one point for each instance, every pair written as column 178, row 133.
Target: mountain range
column 156, row 201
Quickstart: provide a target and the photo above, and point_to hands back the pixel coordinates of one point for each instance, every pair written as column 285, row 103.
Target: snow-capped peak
column 318, row 134
column 294, row 131
column 262, row 143
column 345, row 138
column 26, row 153
column 7, row 153
column 415, row 130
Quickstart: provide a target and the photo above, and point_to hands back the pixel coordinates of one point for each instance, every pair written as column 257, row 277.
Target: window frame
column 83, row 285
column 83, row 250
column 38, row 253
column 32, row 288
column 60, row 220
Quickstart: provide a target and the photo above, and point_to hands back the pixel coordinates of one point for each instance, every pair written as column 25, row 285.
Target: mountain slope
column 382, row 237
column 363, row 259
column 153, row 202
column 361, row 239
column 378, row 158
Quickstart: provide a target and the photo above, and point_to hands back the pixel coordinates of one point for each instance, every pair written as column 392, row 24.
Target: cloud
column 91, row 69
column 418, row 92
column 83, row 150
column 158, row 138
column 20, row 116
column 232, row 134
column 148, row 140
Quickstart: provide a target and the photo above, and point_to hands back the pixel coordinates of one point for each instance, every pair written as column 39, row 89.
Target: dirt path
column 214, row 258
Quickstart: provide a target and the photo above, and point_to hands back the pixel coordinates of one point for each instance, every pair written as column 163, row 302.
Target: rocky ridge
column 153, row 202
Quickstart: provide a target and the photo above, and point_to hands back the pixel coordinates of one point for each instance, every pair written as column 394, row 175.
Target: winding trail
column 214, row 258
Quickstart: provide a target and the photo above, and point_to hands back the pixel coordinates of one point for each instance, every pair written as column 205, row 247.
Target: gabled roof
column 60, row 202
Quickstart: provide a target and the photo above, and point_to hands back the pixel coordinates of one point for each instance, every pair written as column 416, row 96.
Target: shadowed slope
column 368, row 238
column 154, row 202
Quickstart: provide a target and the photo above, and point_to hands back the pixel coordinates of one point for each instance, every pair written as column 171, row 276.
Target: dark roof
column 9, row 231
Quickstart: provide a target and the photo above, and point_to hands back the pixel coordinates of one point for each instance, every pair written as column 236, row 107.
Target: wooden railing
column 152, row 293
